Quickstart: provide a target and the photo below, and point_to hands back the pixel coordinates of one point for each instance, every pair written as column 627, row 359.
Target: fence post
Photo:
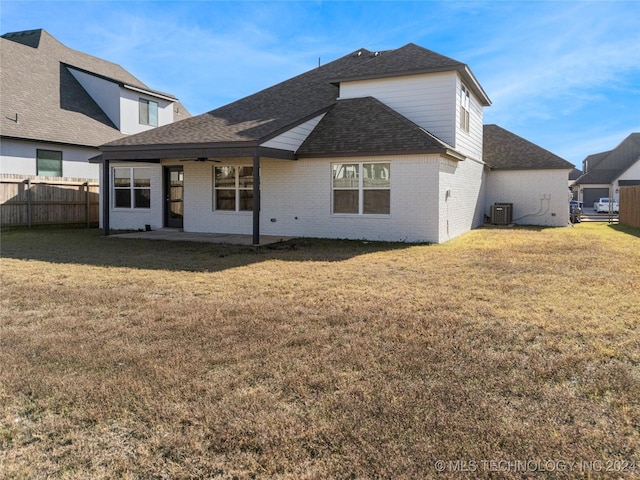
column 86, row 207
column 28, row 181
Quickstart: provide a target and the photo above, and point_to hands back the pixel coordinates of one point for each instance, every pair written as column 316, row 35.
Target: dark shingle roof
column 503, row 150
column 361, row 126
column 270, row 112
column 49, row 102
column 575, row 174
column 256, row 117
column 605, row 167
column 410, row 60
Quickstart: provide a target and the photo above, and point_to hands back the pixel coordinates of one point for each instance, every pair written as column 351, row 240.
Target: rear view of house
column 379, row 145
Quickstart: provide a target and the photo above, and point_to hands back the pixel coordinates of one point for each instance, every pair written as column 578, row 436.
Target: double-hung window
column 361, row 188
column 148, row 112
column 233, row 188
column 48, row 163
column 464, row 108
column 132, row 187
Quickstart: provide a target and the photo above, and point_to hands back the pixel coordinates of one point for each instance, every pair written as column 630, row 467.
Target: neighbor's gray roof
column 575, row 174
column 605, row 167
column 503, row 150
column 352, row 127
column 270, row 112
column 50, row 104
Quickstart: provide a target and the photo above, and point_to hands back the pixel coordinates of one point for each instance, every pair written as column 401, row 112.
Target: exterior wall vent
column 501, row 213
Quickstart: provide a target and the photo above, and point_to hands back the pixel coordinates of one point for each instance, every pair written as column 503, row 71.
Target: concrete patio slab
column 177, row 235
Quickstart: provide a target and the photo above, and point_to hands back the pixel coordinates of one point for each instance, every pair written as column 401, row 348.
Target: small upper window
column 49, row 163
column 464, row 108
column 148, row 112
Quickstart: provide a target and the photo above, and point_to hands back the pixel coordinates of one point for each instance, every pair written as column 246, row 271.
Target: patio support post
column 256, row 198
column 105, row 197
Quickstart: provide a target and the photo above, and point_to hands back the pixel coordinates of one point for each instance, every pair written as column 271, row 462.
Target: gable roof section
column 410, row 59
column 258, row 117
column 49, row 103
column 605, row 167
column 503, row 150
column 366, row 126
column 255, row 119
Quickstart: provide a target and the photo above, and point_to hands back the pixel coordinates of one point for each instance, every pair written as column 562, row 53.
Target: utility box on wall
column 501, row 213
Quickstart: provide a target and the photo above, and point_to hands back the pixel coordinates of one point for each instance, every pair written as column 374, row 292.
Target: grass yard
column 505, row 353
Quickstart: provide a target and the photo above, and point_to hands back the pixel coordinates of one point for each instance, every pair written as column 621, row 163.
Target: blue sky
column 564, row 75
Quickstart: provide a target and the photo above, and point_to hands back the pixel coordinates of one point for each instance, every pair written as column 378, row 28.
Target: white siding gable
column 632, row 173
column 432, row 101
column 469, row 143
column 292, row 139
column 429, row 100
column 121, row 104
column 129, row 105
column 105, row 93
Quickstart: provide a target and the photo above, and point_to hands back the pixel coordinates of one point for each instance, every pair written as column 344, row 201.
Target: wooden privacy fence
column 28, row 201
column 630, row 205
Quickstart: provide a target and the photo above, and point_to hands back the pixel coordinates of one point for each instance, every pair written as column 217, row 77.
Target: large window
column 49, row 163
column 362, row 188
column 132, row 187
column 148, row 112
column 464, row 108
column 233, row 188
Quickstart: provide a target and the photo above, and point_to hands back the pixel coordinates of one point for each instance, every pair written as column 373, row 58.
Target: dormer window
column 464, row 108
column 148, row 112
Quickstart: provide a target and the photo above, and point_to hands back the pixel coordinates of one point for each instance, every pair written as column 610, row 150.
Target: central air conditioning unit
column 501, row 213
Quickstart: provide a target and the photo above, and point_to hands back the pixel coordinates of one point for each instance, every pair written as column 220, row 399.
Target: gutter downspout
column 105, row 197
column 256, row 198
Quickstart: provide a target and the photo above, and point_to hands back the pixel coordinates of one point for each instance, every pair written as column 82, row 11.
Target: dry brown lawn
column 322, row 359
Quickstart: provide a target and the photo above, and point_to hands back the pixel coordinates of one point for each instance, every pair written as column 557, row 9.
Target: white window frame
column 360, row 188
column 131, row 188
column 237, row 188
column 465, row 108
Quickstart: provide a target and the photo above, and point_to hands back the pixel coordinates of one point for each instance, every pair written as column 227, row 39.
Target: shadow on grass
column 89, row 247
column 621, row 227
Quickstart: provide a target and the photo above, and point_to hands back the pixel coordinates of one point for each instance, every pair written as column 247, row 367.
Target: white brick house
column 375, row 145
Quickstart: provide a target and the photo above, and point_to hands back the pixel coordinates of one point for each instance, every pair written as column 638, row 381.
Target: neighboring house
column 58, row 105
column 574, row 175
column 533, row 179
column 606, row 172
column 375, row 145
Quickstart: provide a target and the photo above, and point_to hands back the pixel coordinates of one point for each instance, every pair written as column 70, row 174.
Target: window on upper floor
column 48, row 163
column 361, row 188
column 233, row 188
column 464, row 108
column 132, row 187
column 148, row 112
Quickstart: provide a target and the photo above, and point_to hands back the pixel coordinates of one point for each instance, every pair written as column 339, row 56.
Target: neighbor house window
column 132, row 187
column 148, row 112
column 362, row 188
column 233, row 188
column 464, row 108
column 49, row 163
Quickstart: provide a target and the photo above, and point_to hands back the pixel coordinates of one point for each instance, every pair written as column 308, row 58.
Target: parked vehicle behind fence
column 604, row 206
